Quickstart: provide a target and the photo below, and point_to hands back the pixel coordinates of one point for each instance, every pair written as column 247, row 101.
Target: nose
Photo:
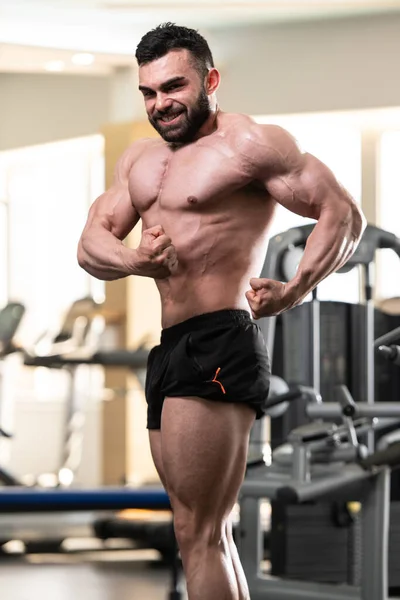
column 162, row 102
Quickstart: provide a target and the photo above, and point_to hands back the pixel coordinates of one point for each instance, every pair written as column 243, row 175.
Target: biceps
column 115, row 212
column 306, row 189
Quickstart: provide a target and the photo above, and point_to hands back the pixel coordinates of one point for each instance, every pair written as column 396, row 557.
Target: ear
column 212, row 81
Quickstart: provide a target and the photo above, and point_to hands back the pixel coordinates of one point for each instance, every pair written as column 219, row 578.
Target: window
column 45, row 194
column 49, row 190
column 3, row 253
column 338, row 144
column 388, row 265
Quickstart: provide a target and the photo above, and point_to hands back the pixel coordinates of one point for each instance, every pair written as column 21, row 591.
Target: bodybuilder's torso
column 204, row 196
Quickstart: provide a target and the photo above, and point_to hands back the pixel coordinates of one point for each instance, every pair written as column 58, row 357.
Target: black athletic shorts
column 218, row 356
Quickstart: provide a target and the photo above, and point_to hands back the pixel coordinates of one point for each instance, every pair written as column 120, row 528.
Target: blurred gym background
column 69, row 104
column 326, row 70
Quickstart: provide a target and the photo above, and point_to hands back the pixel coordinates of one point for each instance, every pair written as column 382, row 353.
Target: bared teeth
column 170, row 117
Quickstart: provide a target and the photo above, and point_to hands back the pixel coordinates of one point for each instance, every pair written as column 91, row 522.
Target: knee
column 197, row 530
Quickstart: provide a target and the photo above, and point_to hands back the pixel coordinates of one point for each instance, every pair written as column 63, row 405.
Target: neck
column 210, row 125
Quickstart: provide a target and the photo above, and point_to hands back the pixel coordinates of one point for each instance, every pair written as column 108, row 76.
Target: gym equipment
column 320, row 345
column 157, row 535
column 36, row 500
column 325, row 462
column 277, row 408
column 144, row 530
column 324, row 344
column 10, row 318
column 135, row 360
column 347, row 343
column 77, row 343
column 22, row 499
column 387, row 349
column 316, row 467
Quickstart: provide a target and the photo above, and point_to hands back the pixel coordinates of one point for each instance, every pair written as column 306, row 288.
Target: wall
column 35, row 108
column 315, row 66
column 282, row 68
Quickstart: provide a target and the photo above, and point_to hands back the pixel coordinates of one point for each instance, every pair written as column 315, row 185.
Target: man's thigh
column 204, row 450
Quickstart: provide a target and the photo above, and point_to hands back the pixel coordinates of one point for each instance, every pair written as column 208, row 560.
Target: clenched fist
column 267, row 297
column 156, row 256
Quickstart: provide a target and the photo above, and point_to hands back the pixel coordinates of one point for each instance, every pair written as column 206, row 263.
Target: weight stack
column 292, row 357
column 308, row 543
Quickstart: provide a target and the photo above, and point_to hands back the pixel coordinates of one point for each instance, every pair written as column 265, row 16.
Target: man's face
column 175, row 98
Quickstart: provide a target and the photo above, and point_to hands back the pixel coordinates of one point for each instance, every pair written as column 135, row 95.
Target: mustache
column 159, row 114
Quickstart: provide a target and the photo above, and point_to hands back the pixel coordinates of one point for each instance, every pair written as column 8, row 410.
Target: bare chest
column 196, row 176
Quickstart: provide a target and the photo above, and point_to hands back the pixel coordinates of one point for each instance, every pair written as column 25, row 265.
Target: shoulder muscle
column 129, row 157
column 270, row 150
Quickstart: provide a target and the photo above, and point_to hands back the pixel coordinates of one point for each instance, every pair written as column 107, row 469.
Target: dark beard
column 186, row 130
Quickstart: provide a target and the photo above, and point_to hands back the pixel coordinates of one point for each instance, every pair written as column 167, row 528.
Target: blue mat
column 20, row 499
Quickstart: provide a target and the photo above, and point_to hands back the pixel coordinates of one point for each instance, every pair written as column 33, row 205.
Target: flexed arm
column 305, row 186
column 112, row 216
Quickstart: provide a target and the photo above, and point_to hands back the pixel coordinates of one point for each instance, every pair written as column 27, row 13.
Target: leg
column 155, row 445
column 204, row 450
column 156, row 453
column 243, row 588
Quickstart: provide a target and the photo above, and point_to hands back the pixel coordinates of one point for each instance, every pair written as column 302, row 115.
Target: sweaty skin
column 215, row 200
column 206, row 195
column 215, row 216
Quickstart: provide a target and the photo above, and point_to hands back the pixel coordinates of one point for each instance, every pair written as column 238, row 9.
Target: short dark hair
column 168, row 36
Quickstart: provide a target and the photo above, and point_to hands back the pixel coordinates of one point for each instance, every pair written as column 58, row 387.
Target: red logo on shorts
column 215, row 380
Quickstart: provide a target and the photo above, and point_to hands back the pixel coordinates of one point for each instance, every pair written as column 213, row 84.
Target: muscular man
column 205, row 192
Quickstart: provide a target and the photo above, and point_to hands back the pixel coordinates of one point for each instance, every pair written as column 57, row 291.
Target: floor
column 90, row 576
column 111, row 576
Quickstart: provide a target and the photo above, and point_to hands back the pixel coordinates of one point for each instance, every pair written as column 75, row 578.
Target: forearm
column 104, row 256
column 334, row 239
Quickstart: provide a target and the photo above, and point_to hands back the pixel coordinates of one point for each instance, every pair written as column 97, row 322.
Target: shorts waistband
column 212, row 319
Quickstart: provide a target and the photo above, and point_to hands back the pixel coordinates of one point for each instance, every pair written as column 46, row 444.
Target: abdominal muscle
column 213, row 273
column 220, row 245
column 184, row 296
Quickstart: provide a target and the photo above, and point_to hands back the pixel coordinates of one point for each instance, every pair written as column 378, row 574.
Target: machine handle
column 390, row 457
column 134, row 359
column 388, row 338
column 312, row 432
column 391, row 353
column 333, row 410
column 294, row 393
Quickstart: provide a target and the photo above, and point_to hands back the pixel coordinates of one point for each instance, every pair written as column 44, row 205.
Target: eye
column 175, row 86
column 147, row 93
